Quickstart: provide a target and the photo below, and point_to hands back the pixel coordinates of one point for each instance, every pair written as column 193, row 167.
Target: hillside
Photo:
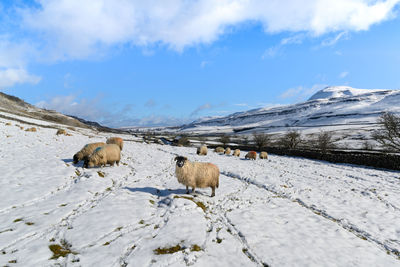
column 350, row 114
column 11, row 106
column 283, row 211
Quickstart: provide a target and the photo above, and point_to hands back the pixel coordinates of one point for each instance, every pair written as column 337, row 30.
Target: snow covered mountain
column 332, row 108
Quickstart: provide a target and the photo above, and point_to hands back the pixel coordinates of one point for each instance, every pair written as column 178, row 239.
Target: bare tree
column 225, row 139
column 245, row 140
column 291, row 139
column 389, row 134
column 367, row 145
column 325, row 141
column 261, row 140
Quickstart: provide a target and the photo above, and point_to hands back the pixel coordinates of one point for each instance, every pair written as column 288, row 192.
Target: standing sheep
column 236, row 153
column 228, row 151
column 196, row 174
column 86, row 151
column 251, row 155
column 202, row 150
column 219, row 150
column 116, row 140
column 108, row 154
column 263, row 155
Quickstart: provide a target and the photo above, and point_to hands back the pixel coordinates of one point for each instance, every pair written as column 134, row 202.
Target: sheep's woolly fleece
column 284, row 211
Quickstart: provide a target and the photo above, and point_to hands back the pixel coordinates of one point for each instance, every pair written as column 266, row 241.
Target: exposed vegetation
column 225, row 139
column 261, row 140
column 291, row 139
column 170, row 250
column 61, row 250
column 389, row 134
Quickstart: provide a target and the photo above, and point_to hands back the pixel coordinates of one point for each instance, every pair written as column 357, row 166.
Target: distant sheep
column 86, row 151
column 116, row 140
column 219, row 150
column 61, row 131
column 263, row 155
column 227, row 151
column 196, row 174
column 101, row 156
column 202, row 150
column 251, row 155
column 33, row 129
column 8, row 124
column 236, row 153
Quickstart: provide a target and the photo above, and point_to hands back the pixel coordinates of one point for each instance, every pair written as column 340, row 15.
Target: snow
column 350, row 114
column 341, row 91
column 284, row 211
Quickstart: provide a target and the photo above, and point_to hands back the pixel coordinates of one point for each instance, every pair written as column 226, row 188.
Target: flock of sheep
column 190, row 174
column 100, row 154
column 202, row 150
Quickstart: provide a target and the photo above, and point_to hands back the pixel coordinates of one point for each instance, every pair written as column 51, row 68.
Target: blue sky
column 126, row 63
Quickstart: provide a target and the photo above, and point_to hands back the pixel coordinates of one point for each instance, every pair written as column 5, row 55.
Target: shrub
column 261, row 140
column 389, row 134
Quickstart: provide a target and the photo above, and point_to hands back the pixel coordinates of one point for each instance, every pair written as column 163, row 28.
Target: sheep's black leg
column 187, row 189
column 213, row 191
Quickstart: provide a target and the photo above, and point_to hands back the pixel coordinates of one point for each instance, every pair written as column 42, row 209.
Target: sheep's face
column 180, row 161
column 76, row 159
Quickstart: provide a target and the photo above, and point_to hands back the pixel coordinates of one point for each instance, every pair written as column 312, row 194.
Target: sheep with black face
column 86, row 151
column 196, row 174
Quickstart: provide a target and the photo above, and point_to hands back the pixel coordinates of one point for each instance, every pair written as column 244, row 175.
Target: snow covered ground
column 283, row 211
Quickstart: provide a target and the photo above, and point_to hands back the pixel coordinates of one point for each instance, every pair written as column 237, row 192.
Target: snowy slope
column 347, row 111
column 282, row 211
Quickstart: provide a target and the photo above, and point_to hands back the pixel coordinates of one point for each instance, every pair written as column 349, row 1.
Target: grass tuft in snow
column 62, row 250
column 170, row 250
column 196, row 248
column 18, row 220
column 29, row 223
column 101, row 174
column 198, row 203
column 12, row 261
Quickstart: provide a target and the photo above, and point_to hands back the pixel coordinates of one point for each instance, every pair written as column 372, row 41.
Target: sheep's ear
column 176, row 158
column 185, row 158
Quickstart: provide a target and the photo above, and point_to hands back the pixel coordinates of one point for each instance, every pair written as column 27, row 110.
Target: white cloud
column 301, row 93
column 10, row 77
column 335, row 39
column 200, row 108
column 343, row 74
column 80, row 28
column 13, row 61
column 204, row 63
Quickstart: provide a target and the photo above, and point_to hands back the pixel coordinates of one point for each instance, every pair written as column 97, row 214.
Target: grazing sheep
column 202, row 150
column 196, row 174
column 116, row 140
column 101, row 156
column 86, row 151
column 33, row 129
column 236, row 153
column 251, row 155
column 228, row 151
column 219, row 150
column 263, row 155
column 61, row 131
